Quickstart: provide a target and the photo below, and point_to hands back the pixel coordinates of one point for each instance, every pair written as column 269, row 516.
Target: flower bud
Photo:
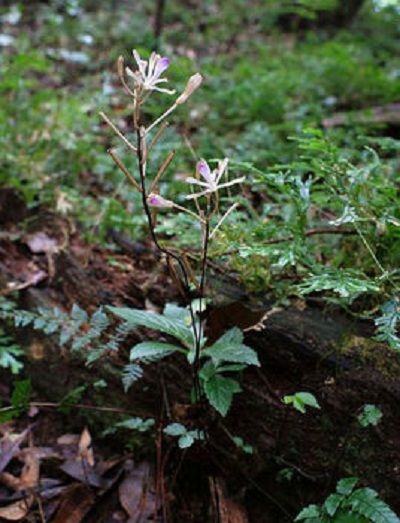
column 193, row 83
column 155, row 200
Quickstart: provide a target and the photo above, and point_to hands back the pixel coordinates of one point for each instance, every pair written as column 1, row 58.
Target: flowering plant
column 207, row 379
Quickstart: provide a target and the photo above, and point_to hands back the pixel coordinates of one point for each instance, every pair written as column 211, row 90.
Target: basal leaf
column 149, row 351
column 137, row 318
column 219, row 391
column 229, row 348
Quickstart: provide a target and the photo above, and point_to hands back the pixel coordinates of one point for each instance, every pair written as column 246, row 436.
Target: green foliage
column 349, row 505
column 136, row 423
column 76, row 329
column 371, row 415
column 228, row 354
column 19, row 401
column 186, row 438
column 9, row 353
column 302, row 400
column 387, row 323
column 347, row 283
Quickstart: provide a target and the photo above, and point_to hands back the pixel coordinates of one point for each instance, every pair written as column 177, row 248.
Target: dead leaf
column 18, row 510
column 85, row 448
column 9, row 447
column 29, row 477
column 40, row 242
column 81, row 471
column 76, row 503
column 137, row 493
column 28, row 480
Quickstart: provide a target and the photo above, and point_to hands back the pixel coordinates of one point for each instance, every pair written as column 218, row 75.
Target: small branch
column 312, row 232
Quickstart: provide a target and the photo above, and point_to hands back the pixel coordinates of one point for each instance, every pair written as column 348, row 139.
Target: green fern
column 387, row 323
column 347, row 505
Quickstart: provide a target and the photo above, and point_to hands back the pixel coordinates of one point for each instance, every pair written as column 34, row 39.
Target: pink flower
column 149, row 72
column 211, row 178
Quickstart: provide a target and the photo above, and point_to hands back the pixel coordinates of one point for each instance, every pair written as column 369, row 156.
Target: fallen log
column 385, row 114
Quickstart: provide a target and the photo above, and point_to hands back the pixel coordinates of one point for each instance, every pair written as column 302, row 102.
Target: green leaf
column 365, row 502
column 21, row 394
column 387, row 323
column 130, row 374
column 346, row 485
column 139, row 424
column 186, row 440
column 347, row 283
column 311, row 513
column 219, row 391
column 9, row 354
column 371, row 415
column 137, row 318
column 149, row 351
column 332, row 503
column 175, row 429
column 245, row 447
column 229, row 348
column 301, row 400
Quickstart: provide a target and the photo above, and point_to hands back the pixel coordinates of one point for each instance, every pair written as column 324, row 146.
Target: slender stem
column 141, row 148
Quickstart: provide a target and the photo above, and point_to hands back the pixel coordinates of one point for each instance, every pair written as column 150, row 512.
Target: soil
column 296, row 458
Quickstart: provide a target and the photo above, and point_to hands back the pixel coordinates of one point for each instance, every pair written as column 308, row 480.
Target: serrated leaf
column 130, row 374
column 149, row 351
column 387, row 323
column 347, row 283
column 8, row 357
column 311, row 512
column 78, row 314
column 99, row 319
column 137, row 318
column 229, row 348
column 332, row 503
column 219, row 391
column 365, row 502
column 346, row 485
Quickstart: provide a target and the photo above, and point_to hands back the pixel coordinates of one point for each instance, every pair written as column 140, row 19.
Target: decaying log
column 385, row 114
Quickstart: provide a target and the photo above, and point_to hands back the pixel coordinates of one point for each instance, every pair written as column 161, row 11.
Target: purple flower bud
column 155, row 200
column 204, row 170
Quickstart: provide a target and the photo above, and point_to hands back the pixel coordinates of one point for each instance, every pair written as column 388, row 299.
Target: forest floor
column 57, row 461
column 62, row 456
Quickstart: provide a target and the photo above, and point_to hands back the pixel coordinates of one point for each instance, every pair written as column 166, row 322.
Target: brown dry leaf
column 28, row 480
column 76, row 503
column 85, row 452
column 80, row 471
column 18, row 510
column 226, row 509
column 136, row 492
column 31, row 471
column 29, row 477
column 9, row 447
